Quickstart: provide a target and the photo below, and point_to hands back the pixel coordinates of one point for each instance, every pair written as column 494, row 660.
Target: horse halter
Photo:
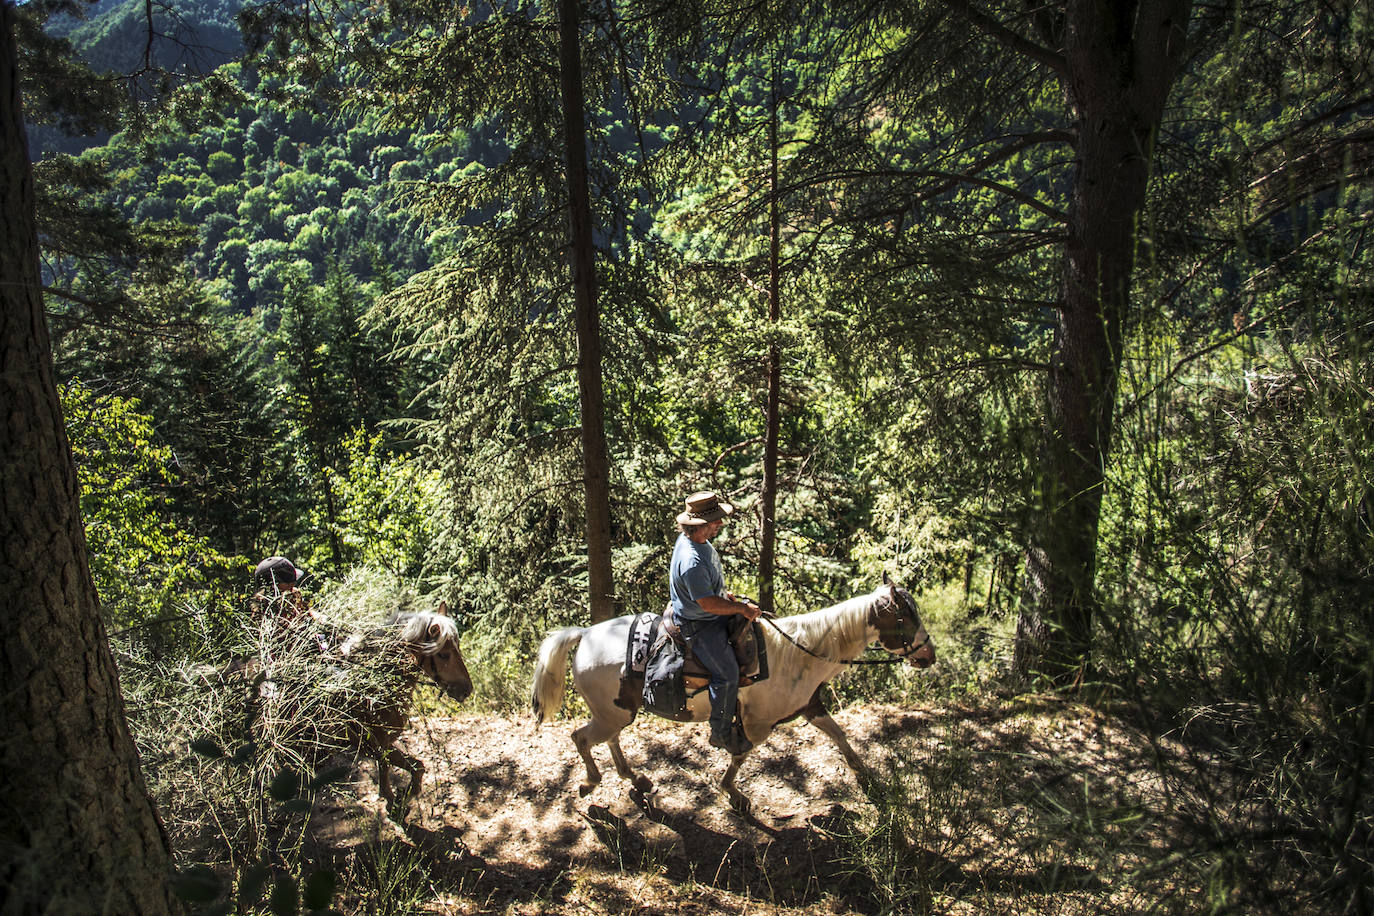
column 901, row 605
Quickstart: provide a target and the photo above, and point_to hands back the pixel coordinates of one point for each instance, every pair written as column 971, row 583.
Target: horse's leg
column 599, row 683
column 821, row 719
column 384, row 777
column 738, row 801
column 622, row 766
column 394, row 756
column 585, row 737
column 412, row 765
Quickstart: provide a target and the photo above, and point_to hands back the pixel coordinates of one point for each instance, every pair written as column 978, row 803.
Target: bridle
column 899, row 608
column 894, row 656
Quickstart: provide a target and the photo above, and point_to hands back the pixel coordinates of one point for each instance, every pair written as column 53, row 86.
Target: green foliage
column 324, row 379
column 497, row 655
column 1247, row 561
column 64, row 96
column 201, row 886
column 386, row 508
column 117, row 38
column 251, row 191
column 145, row 567
column 390, row 879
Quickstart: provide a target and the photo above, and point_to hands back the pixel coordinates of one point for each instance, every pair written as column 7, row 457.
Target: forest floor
column 995, row 822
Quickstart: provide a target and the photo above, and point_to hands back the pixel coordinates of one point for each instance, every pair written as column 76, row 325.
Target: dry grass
column 237, row 755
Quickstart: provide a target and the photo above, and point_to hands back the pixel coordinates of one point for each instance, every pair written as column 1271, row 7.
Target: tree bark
column 78, row 832
column 596, row 463
column 1120, row 63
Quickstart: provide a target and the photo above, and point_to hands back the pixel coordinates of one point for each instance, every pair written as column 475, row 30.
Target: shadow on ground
column 501, row 827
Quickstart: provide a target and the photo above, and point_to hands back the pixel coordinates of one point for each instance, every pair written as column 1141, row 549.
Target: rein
column 892, row 658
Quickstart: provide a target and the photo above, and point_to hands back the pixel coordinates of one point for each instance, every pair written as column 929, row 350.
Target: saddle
column 656, row 650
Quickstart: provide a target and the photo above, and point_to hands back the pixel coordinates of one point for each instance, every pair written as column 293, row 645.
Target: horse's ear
column 435, row 630
column 886, row 580
column 442, row 610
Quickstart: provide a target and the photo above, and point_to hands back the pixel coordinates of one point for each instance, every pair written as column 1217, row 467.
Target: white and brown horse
column 804, row 652
column 430, row 639
column 358, row 699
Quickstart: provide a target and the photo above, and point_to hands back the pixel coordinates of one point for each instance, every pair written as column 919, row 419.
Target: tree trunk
column 773, row 418
column 1121, row 60
column 596, row 463
column 78, row 832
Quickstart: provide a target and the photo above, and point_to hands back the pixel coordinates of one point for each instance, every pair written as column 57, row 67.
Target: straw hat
column 704, row 507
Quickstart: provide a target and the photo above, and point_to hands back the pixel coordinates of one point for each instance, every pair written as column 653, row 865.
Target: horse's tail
column 550, row 672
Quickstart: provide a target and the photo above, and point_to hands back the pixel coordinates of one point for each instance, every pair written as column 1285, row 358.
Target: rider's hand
column 751, row 610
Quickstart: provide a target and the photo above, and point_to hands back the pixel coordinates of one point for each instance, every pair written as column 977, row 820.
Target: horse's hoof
column 644, row 784
column 642, row 800
column 740, row 805
column 586, row 789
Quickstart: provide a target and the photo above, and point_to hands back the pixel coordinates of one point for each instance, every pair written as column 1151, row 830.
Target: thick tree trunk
column 1121, row 60
column 78, row 832
column 596, row 463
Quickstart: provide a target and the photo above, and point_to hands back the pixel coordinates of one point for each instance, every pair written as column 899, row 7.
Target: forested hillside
column 1056, row 313
column 247, row 249
column 279, row 197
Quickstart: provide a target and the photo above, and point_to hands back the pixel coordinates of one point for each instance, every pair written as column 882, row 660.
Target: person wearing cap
column 277, row 581
column 702, row 609
column 281, row 608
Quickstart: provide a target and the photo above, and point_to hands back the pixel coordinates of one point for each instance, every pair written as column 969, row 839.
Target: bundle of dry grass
column 284, row 717
column 312, row 704
column 339, row 680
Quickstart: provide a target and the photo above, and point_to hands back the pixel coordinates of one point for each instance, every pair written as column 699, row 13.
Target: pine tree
column 80, row 833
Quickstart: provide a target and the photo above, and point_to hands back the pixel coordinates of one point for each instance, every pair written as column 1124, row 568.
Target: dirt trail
column 500, row 804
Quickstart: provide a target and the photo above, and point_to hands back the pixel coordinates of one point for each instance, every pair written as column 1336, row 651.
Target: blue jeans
column 710, row 644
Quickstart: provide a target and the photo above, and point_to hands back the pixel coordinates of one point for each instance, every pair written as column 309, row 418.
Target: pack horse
column 358, row 699
column 429, row 640
column 804, row 652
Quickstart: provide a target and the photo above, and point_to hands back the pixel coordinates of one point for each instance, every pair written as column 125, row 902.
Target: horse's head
column 899, row 626
column 432, row 639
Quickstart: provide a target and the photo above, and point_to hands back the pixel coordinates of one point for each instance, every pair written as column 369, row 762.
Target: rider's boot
column 734, row 740
column 728, row 733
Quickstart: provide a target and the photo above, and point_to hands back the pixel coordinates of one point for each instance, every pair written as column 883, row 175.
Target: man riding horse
column 702, row 609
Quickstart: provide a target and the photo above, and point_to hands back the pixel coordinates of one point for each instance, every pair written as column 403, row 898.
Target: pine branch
column 1008, row 38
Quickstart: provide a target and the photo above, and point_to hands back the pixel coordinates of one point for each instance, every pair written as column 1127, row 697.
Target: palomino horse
column 361, row 700
column 804, row 652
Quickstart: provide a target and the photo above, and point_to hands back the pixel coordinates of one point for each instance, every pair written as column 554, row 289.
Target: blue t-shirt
column 693, row 574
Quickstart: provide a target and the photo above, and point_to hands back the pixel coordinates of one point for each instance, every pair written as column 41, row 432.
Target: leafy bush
column 145, row 566
column 385, row 507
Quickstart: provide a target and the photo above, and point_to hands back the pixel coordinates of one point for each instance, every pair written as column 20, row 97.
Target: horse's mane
column 404, row 628
column 846, row 622
column 415, row 625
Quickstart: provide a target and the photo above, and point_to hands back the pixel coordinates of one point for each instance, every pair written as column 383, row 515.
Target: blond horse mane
column 842, row 625
column 415, row 631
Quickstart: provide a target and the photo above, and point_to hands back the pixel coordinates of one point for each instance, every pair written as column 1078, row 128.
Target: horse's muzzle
column 458, row 692
column 923, row 657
